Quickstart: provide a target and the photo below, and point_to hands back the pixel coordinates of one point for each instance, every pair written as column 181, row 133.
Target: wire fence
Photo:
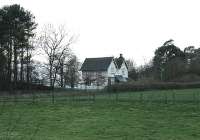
column 165, row 96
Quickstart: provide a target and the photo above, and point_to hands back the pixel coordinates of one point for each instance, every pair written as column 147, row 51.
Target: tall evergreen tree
column 16, row 28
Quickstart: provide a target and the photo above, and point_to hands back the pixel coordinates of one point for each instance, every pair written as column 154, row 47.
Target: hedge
column 151, row 86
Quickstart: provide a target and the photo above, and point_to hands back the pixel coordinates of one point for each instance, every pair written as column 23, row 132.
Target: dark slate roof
column 96, row 64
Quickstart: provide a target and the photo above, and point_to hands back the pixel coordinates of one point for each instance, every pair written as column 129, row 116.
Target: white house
column 104, row 71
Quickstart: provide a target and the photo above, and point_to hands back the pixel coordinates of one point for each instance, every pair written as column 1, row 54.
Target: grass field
column 104, row 119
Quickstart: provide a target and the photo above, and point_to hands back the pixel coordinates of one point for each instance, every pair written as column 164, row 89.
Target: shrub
column 137, row 86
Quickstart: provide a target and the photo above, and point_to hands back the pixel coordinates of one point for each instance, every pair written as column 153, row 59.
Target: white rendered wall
column 111, row 72
column 123, row 70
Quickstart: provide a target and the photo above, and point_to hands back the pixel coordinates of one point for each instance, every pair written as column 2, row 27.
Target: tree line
column 19, row 44
column 170, row 63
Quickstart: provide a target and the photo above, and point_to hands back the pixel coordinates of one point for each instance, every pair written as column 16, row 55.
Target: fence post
column 33, row 94
column 141, row 97
column 88, row 96
column 130, row 96
column 150, row 97
column 109, row 94
column 78, row 97
column 2, row 106
column 94, row 97
column 165, row 97
column 73, row 97
column 198, row 98
column 53, row 100
column 15, row 97
column 173, row 96
column 67, row 98
column 194, row 97
column 116, row 96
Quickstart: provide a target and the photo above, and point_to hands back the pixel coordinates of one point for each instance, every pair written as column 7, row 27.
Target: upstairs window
column 123, row 71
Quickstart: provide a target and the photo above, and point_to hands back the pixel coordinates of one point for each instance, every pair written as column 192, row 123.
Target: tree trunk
column 9, row 68
column 50, row 76
column 72, row 79
column 9, row 63
column 22, row 66
column 61, row 75
column 27, row 66
column 54, row 80
column 15, row 65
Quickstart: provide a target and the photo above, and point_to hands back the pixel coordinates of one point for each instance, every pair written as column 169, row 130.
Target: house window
column 112, row 70
column 123, row 72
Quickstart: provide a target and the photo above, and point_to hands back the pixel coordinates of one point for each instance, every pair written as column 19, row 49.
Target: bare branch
column 55, row 43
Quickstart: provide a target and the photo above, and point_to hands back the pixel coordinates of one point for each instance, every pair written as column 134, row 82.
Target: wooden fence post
column 116, row 96
column 173, row 96
column 150, row 97
column 79, row 97
column 141, row 97
column 2, row 106
column 88, row 96
column 67, row 98
column 15, row 97
column 73, row 97
column 34, row 97
column 129, row 96
column 53, row 100
column 198, row 98
column 165, row 97
column 94, row 96
column 194, row 100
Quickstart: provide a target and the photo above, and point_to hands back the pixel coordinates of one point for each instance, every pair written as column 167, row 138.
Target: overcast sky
column 110, row 27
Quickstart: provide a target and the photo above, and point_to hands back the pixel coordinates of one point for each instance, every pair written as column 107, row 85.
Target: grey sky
column 132, row 27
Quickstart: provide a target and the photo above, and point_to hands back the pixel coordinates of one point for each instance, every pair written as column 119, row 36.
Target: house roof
column 119, row 61
column 96, row 64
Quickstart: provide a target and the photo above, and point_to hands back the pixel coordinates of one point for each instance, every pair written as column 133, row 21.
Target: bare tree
column 130, row 64
column 55, row 43
column 71, row 74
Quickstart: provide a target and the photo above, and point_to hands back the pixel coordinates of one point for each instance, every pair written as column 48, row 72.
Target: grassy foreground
column 101, row 120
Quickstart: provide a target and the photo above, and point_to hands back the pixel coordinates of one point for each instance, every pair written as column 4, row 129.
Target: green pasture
column 150, row 115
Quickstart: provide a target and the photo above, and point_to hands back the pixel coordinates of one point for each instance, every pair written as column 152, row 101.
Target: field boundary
column 165, row 96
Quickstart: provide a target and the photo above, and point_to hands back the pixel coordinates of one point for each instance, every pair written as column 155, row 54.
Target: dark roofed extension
column 96, row 64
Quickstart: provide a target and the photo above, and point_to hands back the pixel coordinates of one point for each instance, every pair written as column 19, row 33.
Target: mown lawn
column 100, row 120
